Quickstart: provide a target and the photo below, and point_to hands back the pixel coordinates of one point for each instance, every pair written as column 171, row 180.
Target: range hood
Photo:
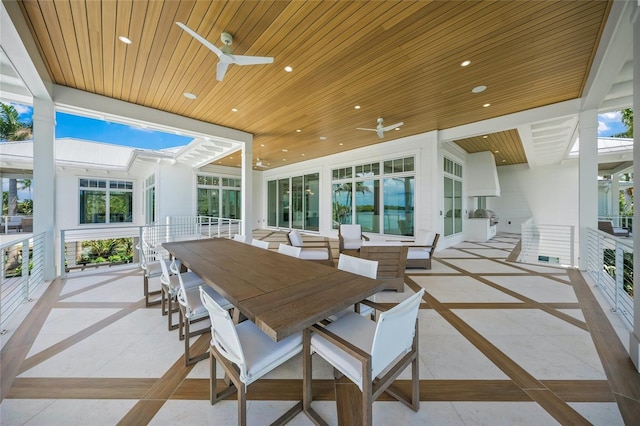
column 481, row 175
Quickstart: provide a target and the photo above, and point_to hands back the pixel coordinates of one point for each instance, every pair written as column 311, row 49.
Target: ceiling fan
column 380, row 129
column 224, row 52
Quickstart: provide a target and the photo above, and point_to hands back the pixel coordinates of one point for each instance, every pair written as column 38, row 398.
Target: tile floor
column 500, row 344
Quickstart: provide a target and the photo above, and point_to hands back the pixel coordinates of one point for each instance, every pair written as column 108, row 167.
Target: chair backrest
column 294, row 237
column 260, row 243
column 394, row 334
column 356, row 265
column 164, row 278
column 606, row 226
column 223, row 332
column 424, row 237
column 240, row 238
column 289, row 250
column 350, row 232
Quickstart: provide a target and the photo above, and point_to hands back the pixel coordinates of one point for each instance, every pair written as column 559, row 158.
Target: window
column 106, row 201
column 294, row 202
column 378, row 195
column 219, row 196
column 452, row 197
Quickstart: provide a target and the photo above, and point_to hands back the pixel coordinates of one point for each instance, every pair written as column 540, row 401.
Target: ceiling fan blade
column 362, row 128
column 221, row 69
column 391, row 127
column 250, row 60
column 200, row 39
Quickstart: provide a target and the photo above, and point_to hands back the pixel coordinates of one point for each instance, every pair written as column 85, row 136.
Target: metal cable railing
column 548, row 244
column 610, row 266
column 22, row 272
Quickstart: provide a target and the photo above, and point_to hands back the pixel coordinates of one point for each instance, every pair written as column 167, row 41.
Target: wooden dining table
column 282, row 295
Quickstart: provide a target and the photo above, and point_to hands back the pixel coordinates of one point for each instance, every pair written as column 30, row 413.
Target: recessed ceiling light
column 465, row 63
column 486, row 105
column 261, row 144
column 285, row 150
column 496, row 152
column 397, row 128
column 504, row 161
column 230, row 158
column 479, row 89
column 189, row 95
column 357, row 107
column 323, row 138
column 340, row 144
column 485, row 136
column 298, row 130
column 125, row 40
column 234, row 109
column 302, row 155
column 288, row 68
column 284, row 159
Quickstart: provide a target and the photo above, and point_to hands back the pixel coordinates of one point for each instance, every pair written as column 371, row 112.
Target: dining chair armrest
column 343, row 344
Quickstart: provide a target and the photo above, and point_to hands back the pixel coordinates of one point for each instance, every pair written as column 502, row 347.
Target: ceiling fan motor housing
column 226, row 38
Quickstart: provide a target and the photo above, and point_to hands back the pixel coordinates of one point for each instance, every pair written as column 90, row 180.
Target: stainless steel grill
column 486, row 213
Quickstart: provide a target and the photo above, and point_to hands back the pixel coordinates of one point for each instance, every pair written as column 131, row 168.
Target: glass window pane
column 336, row 174
column 397, row 166
column 297, row 196
column 93, row 206
column 283, row 203
column 231, row 204
column 312, row 202
column 457, row 194
column 272, row 202
column 388, row 167
column 120, row 206
column 399, row 205
column 409, row 164
column 375, row 169
column 208, row 202
column 367, row 198
column 342, row 197
column 448, row 206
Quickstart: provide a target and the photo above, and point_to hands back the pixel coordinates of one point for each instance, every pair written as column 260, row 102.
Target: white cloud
column 611, row 116
column 22, row 109
column 602, row 127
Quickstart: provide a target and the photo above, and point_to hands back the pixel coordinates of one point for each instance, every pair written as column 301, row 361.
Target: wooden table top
column 281, row 294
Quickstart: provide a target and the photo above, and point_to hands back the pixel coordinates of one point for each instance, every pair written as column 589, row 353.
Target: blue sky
column 73, row 126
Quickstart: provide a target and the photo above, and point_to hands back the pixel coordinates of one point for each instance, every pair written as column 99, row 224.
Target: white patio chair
column 289, row 250
column 240, row 238
column 170, row 283
column 318, row 251
column 364, row 267
column 350, row 237
column 150, row 269
column 246, row 354
column 362, row 349
column 192, row 310
column 422, row 249
column 260, row 243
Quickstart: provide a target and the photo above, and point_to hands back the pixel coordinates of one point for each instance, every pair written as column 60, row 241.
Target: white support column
column 634, row 336
column 44, row 177
column 247, row 188
column 588, row 180
column 615, row 195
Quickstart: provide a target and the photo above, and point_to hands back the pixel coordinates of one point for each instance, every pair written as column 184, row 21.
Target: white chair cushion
column 261, row 353
column 355, row 329
column 424, row 237
column 314, row 254
column 196, row 308
column 153, row 269
column 295, row 238
column 418, row 253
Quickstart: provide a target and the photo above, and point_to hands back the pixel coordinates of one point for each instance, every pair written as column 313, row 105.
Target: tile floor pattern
column 500, row 343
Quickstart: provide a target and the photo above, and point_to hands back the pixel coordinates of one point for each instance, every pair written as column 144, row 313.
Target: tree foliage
column 627, row 120
column 12, row 129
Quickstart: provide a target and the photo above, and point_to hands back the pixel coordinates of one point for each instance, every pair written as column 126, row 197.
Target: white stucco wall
column 549, row 194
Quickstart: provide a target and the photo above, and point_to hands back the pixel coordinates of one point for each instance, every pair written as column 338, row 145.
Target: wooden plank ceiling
column 399, row 60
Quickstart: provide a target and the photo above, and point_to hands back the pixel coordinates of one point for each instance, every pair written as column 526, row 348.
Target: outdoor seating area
column 16, row 224
column 607, row 226
column 484, row 336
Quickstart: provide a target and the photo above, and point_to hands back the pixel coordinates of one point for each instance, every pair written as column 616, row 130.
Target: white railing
column 16, row 223
column 22, row 272
column 610, row 266
column 548, row 244
column 75, row 243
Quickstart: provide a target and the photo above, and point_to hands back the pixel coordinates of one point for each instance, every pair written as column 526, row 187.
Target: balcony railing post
column 619, row 276
column 63, row 254
column 25, row 269
column 572, row 248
